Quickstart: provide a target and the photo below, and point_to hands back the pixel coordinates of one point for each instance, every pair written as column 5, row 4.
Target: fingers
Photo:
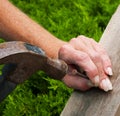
column 107, row 66
column 97, row 52
column 103, row 63
column 77, row 82
column 72, row 56
column 91, row 57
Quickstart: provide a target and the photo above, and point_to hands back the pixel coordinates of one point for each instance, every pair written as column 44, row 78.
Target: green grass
column 40, row 95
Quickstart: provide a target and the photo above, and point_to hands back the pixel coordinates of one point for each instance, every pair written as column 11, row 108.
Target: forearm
column 15, row 25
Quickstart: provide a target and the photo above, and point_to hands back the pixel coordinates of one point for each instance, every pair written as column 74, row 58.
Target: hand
column 89, row 56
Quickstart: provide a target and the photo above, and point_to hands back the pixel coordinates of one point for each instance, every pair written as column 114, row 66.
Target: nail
column 109, row 71
column 109, row 84
column 106, row 85
column 96, row 80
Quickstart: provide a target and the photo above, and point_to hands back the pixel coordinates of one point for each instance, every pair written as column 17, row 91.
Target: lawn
column 40, row 95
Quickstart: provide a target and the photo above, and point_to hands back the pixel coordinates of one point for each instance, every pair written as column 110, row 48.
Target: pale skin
column 81, row 51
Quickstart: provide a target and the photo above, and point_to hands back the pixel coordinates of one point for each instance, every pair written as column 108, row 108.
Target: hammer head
column 21, row 61
column 27, row 59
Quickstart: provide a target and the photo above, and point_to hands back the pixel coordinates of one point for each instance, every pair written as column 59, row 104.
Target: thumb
column 77, row 82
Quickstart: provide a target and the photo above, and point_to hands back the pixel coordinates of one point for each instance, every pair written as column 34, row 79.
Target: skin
column 15, row 25
column 93, row 59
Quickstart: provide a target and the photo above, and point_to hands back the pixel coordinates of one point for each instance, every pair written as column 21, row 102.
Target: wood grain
column 97, row 102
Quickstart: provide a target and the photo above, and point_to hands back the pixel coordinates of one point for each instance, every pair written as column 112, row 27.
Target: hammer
column 21, row 60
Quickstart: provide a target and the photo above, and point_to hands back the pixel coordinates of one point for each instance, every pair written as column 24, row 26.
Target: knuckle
column 106, row 60
column 92, row 40
column 95, row 56
column 82, row 57
column 73, row 40
column 103, row 52
column 63, row 49
column 92, row 72
column 81, row 36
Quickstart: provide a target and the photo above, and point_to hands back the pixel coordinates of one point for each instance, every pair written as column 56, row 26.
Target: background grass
column 40, row 95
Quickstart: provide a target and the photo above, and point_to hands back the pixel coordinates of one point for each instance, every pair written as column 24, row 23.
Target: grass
column 40, row 95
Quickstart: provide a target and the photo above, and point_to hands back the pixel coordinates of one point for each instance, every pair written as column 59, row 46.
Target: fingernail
column 109, row 71
column 90, row 84
column 109, row 84
column 96, row 80
column 106, row 85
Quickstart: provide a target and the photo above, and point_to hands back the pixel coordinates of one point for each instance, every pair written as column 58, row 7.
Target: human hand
column 89, row 56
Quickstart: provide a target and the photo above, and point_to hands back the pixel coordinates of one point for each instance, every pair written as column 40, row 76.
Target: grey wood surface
column 96, row 102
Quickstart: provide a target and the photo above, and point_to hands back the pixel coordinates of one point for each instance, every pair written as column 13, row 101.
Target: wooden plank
column 96, row 102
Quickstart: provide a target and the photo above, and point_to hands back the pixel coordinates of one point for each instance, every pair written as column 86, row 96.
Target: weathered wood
column 96, row 102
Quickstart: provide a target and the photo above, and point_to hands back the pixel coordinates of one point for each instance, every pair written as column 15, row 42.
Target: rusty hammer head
column 25, row 59
column 22, row 60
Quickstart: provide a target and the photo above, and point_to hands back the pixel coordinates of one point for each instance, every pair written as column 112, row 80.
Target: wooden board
column 96, row 102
